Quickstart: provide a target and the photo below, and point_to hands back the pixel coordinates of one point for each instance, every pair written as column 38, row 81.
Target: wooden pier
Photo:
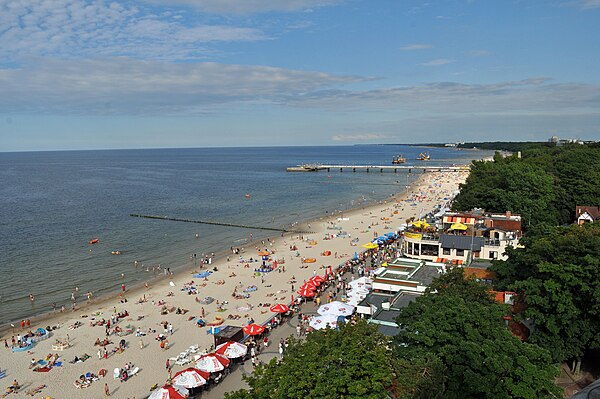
column 376, row 168
column 241, row 226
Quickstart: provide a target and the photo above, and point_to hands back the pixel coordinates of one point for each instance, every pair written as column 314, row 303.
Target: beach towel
column 42, row 369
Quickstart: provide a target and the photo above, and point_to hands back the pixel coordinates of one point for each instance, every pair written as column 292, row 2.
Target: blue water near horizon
column 53, row 203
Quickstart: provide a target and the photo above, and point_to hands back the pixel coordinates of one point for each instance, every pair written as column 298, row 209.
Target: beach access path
column 275, row 287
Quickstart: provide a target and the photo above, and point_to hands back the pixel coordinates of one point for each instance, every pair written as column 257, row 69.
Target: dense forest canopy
column 544, row 186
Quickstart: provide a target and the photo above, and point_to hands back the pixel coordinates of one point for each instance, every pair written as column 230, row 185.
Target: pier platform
column 376, row 168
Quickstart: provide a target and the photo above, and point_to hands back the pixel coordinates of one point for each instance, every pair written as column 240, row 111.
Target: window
column 446, row 251
column 460, row 252
column 493, row 255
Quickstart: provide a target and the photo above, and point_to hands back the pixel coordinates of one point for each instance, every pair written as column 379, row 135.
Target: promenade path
column 234, row 381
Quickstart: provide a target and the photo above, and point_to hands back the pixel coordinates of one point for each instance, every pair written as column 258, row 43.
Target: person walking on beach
column 106, row 389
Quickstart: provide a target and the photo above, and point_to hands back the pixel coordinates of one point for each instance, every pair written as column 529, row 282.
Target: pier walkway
column 376, row 168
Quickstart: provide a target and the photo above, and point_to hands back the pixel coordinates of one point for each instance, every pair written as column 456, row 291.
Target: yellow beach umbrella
column 458, row 226
column 370, row 245
column 418, row 223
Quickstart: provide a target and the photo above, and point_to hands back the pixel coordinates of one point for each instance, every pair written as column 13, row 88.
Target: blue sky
column 83, row 74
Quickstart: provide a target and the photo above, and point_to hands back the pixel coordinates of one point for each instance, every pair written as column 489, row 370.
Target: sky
column 92, row 74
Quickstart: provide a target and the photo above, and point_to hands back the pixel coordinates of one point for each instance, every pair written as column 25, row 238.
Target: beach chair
column 2, row 374
column 134, row 371
column 193, row 349
column 182, row 361
column 116, row 373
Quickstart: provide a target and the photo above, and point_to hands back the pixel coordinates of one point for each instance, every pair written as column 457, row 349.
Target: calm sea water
column 53, row 203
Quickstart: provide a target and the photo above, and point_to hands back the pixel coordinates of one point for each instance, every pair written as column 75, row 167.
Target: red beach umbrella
column 170, row 392
column 253, row 329
column 311, row 285
column 212, row 363
column 191, row 378
column 317, row 279
column 306, row 292
column 279, row 308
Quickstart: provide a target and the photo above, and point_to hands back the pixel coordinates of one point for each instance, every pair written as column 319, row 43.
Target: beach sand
column 364, row 224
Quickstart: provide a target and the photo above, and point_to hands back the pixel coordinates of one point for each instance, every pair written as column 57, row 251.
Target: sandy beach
column 149, row 307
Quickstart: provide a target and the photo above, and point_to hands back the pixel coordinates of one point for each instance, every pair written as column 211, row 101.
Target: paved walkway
column 234, row 381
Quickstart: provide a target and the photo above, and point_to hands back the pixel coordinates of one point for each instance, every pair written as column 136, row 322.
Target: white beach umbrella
column 321, row 322
column 232, row 349
column 212, row 363
column 336, row 308
column 362, row 282
column 191, row 378
column 170, row 392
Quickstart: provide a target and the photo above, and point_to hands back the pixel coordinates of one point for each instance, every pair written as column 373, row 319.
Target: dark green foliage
column 509, row 184
column 463, row 327
column 420, row 377
column 352, row 363
column 557, row 275
column 544, row 186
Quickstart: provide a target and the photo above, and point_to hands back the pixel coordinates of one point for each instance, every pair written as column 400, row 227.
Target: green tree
column 557, row 277
column 509, row 184
column 354, row 362
column 457, row 321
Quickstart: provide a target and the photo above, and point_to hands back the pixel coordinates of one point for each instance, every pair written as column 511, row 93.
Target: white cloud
column 358, row 137
column 412, row 47
column 438, row 62
column 96, row 28
column 587, row 4
column 534, row 95
column 249, row 6
column 127, row 86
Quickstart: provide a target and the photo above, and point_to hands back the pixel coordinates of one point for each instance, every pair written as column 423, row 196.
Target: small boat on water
column 424, row 156
column 116, row 252
column 94, row 241
column 247, row 195
column 398, row 159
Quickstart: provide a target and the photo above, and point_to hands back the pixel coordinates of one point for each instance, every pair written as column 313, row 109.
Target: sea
column 53, row 203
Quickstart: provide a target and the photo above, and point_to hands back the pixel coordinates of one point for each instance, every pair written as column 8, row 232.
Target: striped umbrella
column 212, row 363
column 232, row 349
column 170, row 392
column 191, row 378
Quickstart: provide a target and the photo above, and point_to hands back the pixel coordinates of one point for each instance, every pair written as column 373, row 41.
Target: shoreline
column 138, row 287
column 361, row 222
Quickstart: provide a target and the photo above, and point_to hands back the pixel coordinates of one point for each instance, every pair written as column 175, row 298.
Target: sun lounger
column 182, row 361
column 134, row 371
